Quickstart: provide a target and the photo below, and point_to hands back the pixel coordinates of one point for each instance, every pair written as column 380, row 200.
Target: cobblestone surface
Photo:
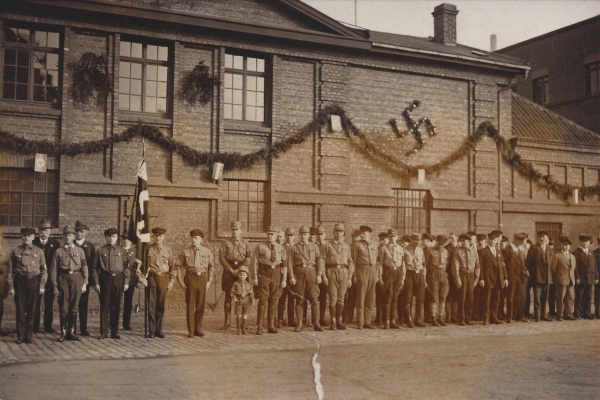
column 133, row 344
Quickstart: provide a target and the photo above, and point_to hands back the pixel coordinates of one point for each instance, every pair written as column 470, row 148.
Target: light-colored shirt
column 195, row 261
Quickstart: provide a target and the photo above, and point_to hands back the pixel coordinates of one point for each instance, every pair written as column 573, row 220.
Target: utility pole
column 355, row 17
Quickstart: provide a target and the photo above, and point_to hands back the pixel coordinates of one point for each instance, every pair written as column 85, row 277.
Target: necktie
column 272, row 247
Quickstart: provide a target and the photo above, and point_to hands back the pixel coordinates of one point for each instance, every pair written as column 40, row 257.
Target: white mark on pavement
column 317, row 369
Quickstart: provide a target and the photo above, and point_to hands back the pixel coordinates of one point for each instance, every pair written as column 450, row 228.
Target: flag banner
column 139, row 229
column 41, row 162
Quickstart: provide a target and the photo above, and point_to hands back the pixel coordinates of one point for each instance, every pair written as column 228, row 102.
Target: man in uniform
column 364, row 253
column 597, row 287
column 379, row 302
column 287, row 295
column 350, row 302
column 69, row 277
column 197, row 261
column 565, row 277
column 160, row 264
column 111, row 277
column 49, row 246
column 26, row 277
column 133, row 281
column 339, row 269
column 233, row 253
column 588, row 277
column 452, row 298
column 89, row 250
column 465, row 268
column 322, row 244
column 414, row 284
column 305, row 268
column 518, row 274
column 393, row 272
column 436, row 264
column 538, row 262
column 269, row 278
column 494, row 278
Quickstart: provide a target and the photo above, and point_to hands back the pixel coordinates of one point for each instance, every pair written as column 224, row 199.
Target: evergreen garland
column 91, row 81
column 197, row 85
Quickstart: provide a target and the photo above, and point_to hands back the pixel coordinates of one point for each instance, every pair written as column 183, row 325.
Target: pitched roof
column 533, row 121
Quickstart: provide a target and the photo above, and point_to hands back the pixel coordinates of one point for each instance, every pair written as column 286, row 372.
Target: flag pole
column 147, row 287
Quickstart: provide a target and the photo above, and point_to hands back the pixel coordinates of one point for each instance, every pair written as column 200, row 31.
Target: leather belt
column 109, row 274
column 194, row 273
column 335, row 266
column 392, row 268
column 159, row 273
column 304, row 266
column 67, row 271
column 267, row 266
column 235, row 264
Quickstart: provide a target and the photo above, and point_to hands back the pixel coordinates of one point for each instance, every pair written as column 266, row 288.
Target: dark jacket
column 492, row 267
column 49, row 248
column 538, row 264
column 515, row 266
column 90, row 257
column 586, row 266
column 597, row 254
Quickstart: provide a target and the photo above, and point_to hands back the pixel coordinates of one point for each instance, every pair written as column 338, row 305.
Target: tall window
column 541, row 90
column 144, row 78
column 553, row 228
column 244, row 201
column 412, row 211
column 592, row 78
column 31, row 61
column 27, row 196
column 244, row 88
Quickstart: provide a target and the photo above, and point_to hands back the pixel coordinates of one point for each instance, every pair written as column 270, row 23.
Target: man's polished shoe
column 545, row 319
column 259, row 330
column 160, row 335
column 151, row 335
column 359, row 327
column 101, row 337
column 18, row 341
column 497, row 322
column 570, row 318
column 317, row 327
column 272, row 329
column 461, row 324
column 298, row 328
column 369, row 326
column 28, row 340
column 468, row 323
column 441, row 322
column 524, row 319
column 191, row 335
column 49, row 330
column 85, row 333
column 292, row 324
column 559, row 318
column 125, row 328
column 115, row 336
column 484, row 323
column 280, row 323
column 199, row 333
column 419, row 324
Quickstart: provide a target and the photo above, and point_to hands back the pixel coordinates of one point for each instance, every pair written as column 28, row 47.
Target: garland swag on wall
column 197, row 85
column 234, row 160
column 91, row 81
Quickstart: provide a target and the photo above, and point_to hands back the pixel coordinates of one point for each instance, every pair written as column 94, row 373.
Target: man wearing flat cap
column 286, row 295
column 494, row 278
column 565, row 276
column 69, row 277
column 597, row 286
column 453, row 292
column 415, row 281
column 305, row 268
column 478, row 292
column 198, row 264
column 134, row 279
column 233, row 253
column 81, row 231
column 437, row 259
column 269, row 278
column 364, row 253
column 49, row 246
column 111, row 276
column 588, row 277
column 339, row 269
column 465, row 269
column 539, row 258
column 322, row 244
column 392, row 274
column 516, row 270
column 26, row 277
column 160, row 264
column 379, row 302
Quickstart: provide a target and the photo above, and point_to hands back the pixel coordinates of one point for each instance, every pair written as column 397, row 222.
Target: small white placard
column 336, row 124
column 217, row 171
column 421, row 176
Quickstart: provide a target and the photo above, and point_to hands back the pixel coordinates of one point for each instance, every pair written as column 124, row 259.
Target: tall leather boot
column 433, row 313
column 244, row 320
column 227, row 308
column 322, row 310
column 238, row 324
column 332, row 312
column 314, row 309
column 385, row 315
column 407, row 316
column 299, row 308
column 260, row 316
column 73, row 321
column 272, row 315
column 419, row 314
column 340, row 312
column 63, row 327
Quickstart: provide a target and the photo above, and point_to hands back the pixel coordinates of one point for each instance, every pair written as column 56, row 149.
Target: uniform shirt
column 241, row 289
column 414, row 258
column 336, row 253
column 364, row 253
column 234, row 253
column 160, row 259
column 268, row 255
column 68, row 259
column 437, row 258
column 465, row 258
column 111, row 260
column 28, row 261
column 195, row 261
column 90, row 255
column 391, row 255
column 305, row 255
column 132, row 265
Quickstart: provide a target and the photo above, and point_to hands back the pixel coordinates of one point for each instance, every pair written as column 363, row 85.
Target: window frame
column 32, row 49
column 407, row 203
column 223, row 219
column 545, row 90
column 588, row 78
column 266, row 75
column 169, row 64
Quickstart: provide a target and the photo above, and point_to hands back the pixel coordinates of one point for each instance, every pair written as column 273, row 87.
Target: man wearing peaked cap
column 588, row 276
column 364, row 254
column 379, row 302
column 89, row 250
column 161, row 263
column 414, row 283
column 321, row 244
column 287, row 296
column 465, row 270
column 134, row 279
column 436, row 262
column 514, row 259
column 566, row 276
column 49, row 246
column 538, row 262
column 392, row 272
column 233, row 253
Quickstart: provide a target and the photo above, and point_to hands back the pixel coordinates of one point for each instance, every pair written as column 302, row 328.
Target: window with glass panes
column 541, row 90
column 31, row 65
column 592, row 78
column 244, row 88
column 144, row 77
column 244, row 201
column 27, row 196
column 412, row 211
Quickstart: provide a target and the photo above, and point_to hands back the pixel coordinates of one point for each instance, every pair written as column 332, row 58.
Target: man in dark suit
column 494, row 278
column 588, row 276
column 517, row 277
column 538, row 264
column 89, row 250
column 597, row 287
column 49, row 246
column 566, row 276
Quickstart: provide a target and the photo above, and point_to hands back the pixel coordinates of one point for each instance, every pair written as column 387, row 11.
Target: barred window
column 244, row 201
column 245, row 88
column 412, row 209
column 554, row 229
column 31, row 65
column 27, row 196
column 144, row 75
column 592, row 78
column 541, row 90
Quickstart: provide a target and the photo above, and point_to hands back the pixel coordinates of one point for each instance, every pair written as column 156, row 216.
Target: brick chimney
column 444, row 24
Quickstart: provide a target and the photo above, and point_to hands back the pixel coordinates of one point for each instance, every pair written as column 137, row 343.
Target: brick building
column 565, row 71
column 279, row 62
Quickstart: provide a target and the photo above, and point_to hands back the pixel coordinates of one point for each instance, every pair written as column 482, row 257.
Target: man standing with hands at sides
column 588, row 276
column 132, row 264
column 415, row 282
column 269, row 278
column 566, row 276
column 392, row 273
column 234, row 253
column 69, row 278
column 26, row 277
column 323, row 286
column 465, row 267
column 197, row 261
column 305, row 268
column 287, row 294
column 494, row 278
column 517, row 278
column 111, row 276
column 49, row 246
column 89, row 250
column 364, row 253
column 436, row 262
column 339, row 269
column 597, row 287
column 160, row 264
column 451, row 300
column 538, row 264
